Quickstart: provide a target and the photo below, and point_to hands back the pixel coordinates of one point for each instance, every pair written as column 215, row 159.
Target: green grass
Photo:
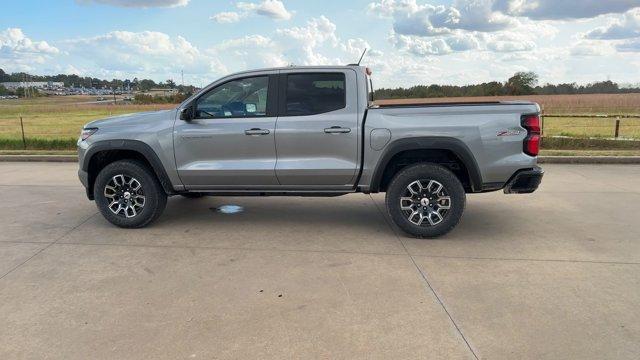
column 38, row 143
column 560, row 143
column 591, row 127
column 59, row 117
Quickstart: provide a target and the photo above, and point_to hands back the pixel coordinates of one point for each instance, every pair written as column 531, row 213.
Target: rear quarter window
column 314, row 93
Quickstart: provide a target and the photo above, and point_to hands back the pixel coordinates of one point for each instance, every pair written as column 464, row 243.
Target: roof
column 306, row 67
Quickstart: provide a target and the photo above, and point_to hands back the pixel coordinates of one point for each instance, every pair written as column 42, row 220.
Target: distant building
column 32, row 84
column 161, row 92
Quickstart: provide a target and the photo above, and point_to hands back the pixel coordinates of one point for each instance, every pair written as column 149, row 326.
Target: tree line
column 73, row 80
column 522, row 83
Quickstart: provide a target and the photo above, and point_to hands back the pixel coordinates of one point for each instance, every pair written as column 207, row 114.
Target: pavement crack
column 48, row 246
column 425, row 279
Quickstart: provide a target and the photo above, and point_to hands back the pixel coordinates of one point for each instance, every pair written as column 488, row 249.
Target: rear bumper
column 524, row 181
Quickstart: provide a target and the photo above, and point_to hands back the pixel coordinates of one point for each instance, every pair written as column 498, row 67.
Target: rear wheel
column 128, row 194
column 425, row 200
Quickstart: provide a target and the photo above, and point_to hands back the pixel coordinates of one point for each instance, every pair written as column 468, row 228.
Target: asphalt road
column 552, row 275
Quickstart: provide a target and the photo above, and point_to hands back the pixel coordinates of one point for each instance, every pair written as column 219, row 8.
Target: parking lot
column 552, row 275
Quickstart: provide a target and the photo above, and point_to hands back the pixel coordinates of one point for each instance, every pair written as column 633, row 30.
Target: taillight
column 531, row 144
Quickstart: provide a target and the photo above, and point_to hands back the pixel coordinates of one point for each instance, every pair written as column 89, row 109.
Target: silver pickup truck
column 310, row 131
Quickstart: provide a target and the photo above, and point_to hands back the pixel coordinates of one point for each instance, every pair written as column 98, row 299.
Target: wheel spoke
column 109, row 192
column 412, row 188
column 413, row 216
column 438, row 187
column 139, row 200
column 406, row 203
column 437, row 215
column 118, row 180
column 444, row 202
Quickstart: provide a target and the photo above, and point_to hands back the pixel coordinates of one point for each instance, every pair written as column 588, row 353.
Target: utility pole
column 182, row 76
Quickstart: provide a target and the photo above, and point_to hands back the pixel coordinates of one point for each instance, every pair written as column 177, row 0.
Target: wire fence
column 22, row 131
column 623, row 126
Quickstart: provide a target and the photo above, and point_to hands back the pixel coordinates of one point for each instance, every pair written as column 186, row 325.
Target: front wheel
column 128, row 194
column 425, row 200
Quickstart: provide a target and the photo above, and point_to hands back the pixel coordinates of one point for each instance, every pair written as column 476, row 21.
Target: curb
column 541, row 159
column 589, row 160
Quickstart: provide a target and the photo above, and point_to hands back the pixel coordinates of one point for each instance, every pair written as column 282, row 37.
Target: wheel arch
column 427, row 149
column 103, row 153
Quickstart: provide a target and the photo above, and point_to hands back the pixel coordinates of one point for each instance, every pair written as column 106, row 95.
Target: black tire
column 153, row 196
column 433, row 209
column 193, row 195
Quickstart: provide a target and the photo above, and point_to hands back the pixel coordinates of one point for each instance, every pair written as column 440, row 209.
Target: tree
column 170, row 84
column 4, row 91
column 522, row 83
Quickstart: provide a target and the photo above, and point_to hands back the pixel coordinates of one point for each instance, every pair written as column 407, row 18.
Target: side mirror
column 186, row 113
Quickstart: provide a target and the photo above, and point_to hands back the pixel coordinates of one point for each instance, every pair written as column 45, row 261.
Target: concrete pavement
column 555, row 274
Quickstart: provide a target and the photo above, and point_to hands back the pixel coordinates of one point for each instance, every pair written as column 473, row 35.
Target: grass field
column 53, row 123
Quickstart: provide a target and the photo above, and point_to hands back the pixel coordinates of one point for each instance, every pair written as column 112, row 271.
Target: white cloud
column 18, row 52
column 626, row 28
column 273, row 9
column 509, row 42
column 270, row 8
column 302, row 43
column 227, row 17
column 629, row 46
column 590, row 48
column 411, row 18
column 138, row 3
column 563, row 9
column 14, row 41
column 147, row 52
column 315, row 43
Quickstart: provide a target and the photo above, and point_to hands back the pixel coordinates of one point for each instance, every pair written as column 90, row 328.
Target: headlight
column 86, row 133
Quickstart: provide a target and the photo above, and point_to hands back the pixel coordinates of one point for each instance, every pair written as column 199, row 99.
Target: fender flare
column 456, row 146
column 132, row 145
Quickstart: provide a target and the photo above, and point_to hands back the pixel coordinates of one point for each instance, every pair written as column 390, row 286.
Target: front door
column 317, row 128
column 230, row 142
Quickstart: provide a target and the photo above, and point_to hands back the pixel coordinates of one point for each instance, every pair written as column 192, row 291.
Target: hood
column 132, row 119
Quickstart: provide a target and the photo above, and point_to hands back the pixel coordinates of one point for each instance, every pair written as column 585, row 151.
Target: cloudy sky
column 410, row 41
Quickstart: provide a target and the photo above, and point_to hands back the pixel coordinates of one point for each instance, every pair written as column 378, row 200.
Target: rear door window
column 314, row 93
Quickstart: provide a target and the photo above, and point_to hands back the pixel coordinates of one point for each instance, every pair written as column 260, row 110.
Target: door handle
column 337, row 130
column 256, row 131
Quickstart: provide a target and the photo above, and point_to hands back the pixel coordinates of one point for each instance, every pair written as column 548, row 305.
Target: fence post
column 24, row 142
column 617, row 127
column 542, row 120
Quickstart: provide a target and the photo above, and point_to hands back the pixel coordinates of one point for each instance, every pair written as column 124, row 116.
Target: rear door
column 317, row 128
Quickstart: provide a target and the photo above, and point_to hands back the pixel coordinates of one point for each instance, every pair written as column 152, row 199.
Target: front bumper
column 524, row 181
column 84, row 179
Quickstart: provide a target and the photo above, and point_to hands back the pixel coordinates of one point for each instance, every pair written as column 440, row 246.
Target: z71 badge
column 509, row 132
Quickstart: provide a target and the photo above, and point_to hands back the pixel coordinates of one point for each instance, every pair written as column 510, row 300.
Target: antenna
column 361, row 56
column 364, row 52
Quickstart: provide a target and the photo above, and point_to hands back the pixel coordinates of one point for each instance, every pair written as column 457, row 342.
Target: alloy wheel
column 425, row 202
column 126, row 196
